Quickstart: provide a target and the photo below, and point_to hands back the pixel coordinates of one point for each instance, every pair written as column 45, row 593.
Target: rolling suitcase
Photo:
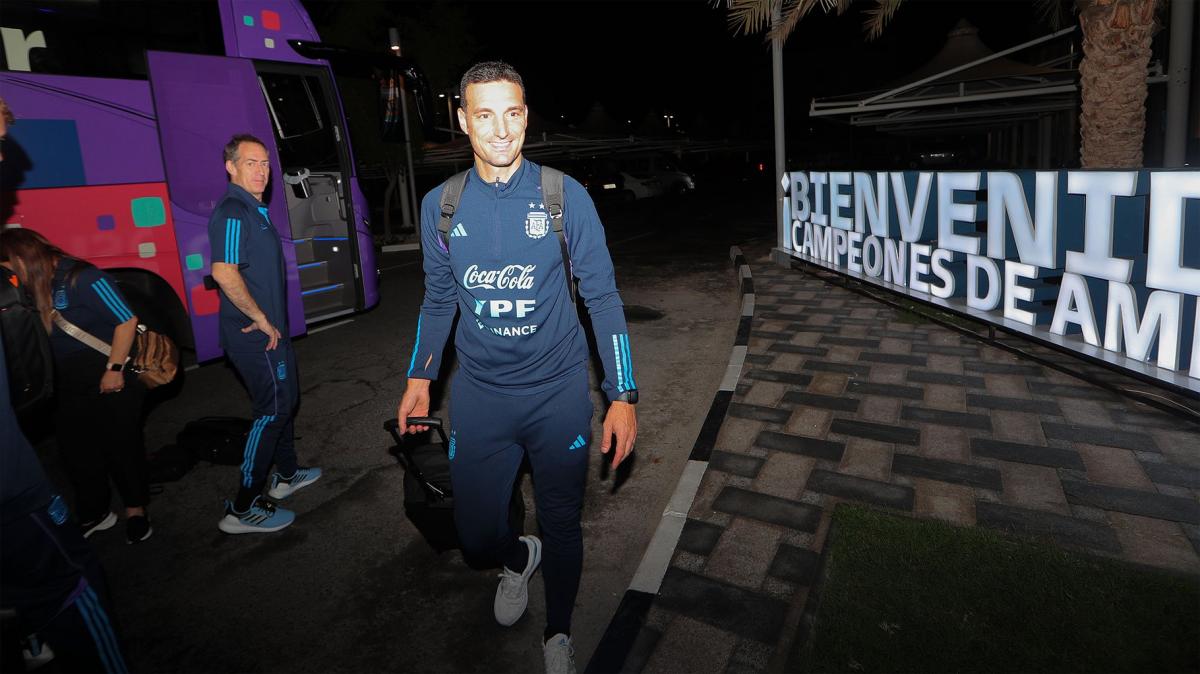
column 428, row 494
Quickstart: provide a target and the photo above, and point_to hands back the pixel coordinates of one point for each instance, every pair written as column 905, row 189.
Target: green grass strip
column 902, row 595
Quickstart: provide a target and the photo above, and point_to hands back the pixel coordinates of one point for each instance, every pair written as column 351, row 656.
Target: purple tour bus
column 123, row 108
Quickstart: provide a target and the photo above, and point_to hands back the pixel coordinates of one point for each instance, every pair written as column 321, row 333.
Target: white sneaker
column 559, row 655
column 102, row 524
column 512, row 595
column 282, row 488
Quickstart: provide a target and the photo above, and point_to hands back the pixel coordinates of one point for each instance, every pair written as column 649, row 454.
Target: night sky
column 641, row 60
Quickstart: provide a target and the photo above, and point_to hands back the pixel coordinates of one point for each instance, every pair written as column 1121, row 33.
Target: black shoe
column 138, row 529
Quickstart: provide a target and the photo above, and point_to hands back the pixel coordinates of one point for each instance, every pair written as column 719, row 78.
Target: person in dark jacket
column 49, row 574
column 247, row 263
column 522, row 385
column 98, row 421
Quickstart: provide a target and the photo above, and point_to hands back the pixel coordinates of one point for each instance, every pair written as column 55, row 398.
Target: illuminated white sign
column 1104, row 262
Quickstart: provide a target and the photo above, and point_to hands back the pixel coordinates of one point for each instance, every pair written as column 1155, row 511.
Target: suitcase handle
column 392, row 425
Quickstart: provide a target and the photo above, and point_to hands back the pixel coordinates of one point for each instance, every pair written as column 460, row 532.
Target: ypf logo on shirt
column 281, row 370
column 60, row 298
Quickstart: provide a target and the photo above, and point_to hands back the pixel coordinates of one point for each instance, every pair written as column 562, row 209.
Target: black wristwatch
column 116, row 367
column 627, row 397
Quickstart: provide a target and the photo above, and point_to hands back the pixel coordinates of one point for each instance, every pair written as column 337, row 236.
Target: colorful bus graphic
column 123, row 108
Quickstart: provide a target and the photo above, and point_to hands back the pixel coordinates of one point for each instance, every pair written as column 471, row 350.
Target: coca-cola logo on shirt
column 512, row 277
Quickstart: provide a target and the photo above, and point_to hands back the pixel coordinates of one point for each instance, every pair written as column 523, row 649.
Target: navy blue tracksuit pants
column 271, row 379
column 51, row 577
column 492, row 433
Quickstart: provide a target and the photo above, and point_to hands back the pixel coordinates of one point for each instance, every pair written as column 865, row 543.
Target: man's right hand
column 415, row 403
column 264, row 326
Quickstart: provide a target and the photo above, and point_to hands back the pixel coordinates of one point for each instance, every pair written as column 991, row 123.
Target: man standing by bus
column 522, row 385
column 247, row 264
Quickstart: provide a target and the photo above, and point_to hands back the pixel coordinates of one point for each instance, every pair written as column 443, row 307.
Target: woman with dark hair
column 99, row 415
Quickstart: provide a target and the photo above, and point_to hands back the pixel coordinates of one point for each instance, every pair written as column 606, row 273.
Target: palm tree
column 1117, row 36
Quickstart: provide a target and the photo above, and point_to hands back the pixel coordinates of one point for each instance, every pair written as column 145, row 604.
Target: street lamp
column 668, row 118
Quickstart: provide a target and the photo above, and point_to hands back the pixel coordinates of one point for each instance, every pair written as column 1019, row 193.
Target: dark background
column 641, row 60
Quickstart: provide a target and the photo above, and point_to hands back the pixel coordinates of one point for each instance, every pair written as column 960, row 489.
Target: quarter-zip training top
column 518, row 332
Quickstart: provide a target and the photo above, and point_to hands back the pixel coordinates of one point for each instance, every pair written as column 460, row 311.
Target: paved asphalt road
column 352, row 586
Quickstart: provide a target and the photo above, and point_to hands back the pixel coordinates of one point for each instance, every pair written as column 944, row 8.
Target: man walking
column 247, row 264
column 522, row 385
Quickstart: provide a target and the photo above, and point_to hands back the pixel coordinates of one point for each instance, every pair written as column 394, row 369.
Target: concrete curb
column 627, row 621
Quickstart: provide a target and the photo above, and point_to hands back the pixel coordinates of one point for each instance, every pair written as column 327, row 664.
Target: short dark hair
column 488, row 71
column 239, row 138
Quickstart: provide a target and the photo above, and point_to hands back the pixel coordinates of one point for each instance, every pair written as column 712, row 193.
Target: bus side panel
column 78, row 131
column 84, row 159
column 202, row 101
column 366, row 248
column 260, row 29
column 112, row 226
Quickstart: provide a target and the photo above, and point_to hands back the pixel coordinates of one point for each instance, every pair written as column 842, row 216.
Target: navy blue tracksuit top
column 519, row 331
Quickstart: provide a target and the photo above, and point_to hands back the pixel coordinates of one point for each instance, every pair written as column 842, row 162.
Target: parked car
column 629, row 178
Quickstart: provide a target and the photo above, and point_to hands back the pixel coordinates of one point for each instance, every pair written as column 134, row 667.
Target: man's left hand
column 621, row 422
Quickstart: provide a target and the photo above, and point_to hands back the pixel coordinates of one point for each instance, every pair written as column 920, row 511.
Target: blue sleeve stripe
column 112, row 300
column 416, row 347
column 116, row 297
column 625, row 355
column 618, row 363
column 233, row 234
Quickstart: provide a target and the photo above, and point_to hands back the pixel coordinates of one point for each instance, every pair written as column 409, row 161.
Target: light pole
column 410, row 217
column 449, row 113
column 668, row 118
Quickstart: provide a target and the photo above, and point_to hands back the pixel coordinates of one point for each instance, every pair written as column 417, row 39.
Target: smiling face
column 250, row 168
column 494, row 117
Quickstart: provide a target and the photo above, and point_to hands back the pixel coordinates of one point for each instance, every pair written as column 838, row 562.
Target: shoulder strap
column 82, row 335
column 552, row 194
column 451, row 193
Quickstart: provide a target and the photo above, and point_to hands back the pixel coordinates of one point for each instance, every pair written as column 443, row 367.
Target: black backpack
column 552, row 195
column 28, row 357
column 220, row 440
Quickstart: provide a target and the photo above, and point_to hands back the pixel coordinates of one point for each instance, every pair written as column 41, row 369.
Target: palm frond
column 1053, row 12
column 747, row 17
column 879, row 16
column 840, row 6
column 790, row 16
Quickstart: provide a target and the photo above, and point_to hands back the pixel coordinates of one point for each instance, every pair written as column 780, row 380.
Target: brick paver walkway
column 843, row 398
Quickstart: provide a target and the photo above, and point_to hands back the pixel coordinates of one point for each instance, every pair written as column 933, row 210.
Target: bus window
column 103, row 38
column 298, row 113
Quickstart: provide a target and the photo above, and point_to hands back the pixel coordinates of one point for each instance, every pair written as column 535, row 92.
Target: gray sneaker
column 559, row 654
column 512, row 595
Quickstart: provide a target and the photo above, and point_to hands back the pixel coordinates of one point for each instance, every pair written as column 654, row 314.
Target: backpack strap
column 451, row 193
column 552, row 194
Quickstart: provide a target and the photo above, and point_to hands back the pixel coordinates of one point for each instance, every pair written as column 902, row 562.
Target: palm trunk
column 1116, row 51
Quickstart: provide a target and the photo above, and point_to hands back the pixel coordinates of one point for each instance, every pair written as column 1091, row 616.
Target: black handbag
column 428, row 494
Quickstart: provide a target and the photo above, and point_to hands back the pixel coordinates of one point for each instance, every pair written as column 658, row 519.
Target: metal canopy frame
column 941, row 103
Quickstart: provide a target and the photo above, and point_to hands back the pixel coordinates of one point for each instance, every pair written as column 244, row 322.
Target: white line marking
column 397, row 266
column 657, row 558
column 331, row 325
column 734, row 371
column 189, row 368
column 748, row 304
